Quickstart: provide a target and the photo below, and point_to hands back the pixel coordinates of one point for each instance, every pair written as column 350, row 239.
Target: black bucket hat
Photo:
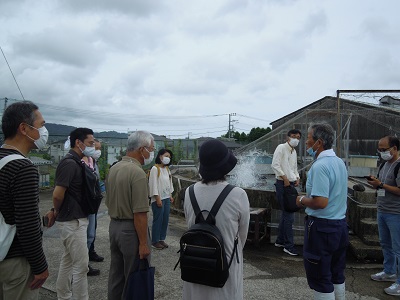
column 216, row 160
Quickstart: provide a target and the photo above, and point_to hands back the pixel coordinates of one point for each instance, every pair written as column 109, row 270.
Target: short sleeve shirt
column 69, row 175
column 328, row 178
column 127, row 189
column 390, row 203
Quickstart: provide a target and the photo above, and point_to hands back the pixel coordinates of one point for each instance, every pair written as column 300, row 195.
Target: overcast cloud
column 180, row 67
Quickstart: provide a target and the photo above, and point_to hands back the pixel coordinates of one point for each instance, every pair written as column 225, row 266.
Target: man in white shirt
column 284, row 164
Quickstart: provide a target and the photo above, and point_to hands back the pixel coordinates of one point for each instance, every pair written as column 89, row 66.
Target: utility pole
column 187, row 146
column 230, row 126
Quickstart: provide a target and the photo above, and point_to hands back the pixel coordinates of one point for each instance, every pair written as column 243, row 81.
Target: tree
column 256, row 133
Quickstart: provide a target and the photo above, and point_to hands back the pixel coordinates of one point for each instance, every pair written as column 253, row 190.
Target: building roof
column 390, row 109
column 38, row 161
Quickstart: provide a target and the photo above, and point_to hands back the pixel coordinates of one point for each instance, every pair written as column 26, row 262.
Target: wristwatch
column 381, row 185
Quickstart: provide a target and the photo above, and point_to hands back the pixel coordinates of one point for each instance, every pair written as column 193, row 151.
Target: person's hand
column 51, row 215
column 298, row 201
column 144, row 251
column 38, row 280
column 286, row 182
column 374, row 182
column 171, row 199
column 159, row 202
column 297, row 182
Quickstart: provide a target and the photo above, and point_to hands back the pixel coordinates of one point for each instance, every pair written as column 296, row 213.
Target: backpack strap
column 380, row 168
column 234, row 251
column 193, row 200
column 220, row 199
column 395, row 171
column 6, row 159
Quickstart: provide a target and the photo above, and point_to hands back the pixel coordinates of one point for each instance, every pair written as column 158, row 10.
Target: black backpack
column 91, row 190
column 202, row 251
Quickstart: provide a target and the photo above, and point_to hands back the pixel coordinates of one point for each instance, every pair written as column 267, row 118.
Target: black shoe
column 94, row 257
column 93, row 271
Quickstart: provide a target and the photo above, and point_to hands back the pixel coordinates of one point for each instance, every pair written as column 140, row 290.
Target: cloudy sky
column 180, row 67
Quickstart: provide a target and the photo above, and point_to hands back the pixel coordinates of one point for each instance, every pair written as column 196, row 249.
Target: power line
column 11, row 72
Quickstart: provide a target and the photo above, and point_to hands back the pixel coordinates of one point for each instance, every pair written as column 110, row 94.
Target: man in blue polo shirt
column 326, row 233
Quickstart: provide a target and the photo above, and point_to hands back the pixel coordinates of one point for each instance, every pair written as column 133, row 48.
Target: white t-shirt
column 160, row 185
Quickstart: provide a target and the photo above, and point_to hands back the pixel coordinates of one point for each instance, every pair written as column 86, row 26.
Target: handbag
column 140, row 283
column 289, row 199
column 7, row 231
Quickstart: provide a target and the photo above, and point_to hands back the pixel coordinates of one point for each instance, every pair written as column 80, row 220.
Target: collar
column 289, row 147
column 131, row 160
column 73, row 153
column 326, row 153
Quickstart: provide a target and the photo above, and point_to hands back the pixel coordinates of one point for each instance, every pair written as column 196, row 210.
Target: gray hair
column 323, row 132
column 139, row 139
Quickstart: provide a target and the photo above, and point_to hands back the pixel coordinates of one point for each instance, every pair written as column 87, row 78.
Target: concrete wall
column 257, row 198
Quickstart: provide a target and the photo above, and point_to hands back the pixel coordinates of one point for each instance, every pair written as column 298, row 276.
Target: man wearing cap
column 284, row 165
column 232, row 218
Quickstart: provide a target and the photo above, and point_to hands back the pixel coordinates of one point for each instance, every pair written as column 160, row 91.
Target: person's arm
column 312, row 202
column 319, row 186
column 244, row 217
column 375, row 182
column 296, row 171
column 140, row 223
column 153, row 186
column 26, row 212
column 277, row 165
column 58, row 198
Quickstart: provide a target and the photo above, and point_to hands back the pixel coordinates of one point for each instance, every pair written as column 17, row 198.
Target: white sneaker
column 382, row 276
column 279, row 245
column 393, row 290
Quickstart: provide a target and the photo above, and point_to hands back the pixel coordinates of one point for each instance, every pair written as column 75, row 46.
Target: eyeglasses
column 383, row 150
column 150, row 149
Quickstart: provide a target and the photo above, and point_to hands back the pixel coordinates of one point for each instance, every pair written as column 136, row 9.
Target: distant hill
column 60, row 132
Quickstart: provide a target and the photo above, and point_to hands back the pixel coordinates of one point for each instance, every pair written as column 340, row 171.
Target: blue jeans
column 285, row 230
column 160, row 220
column 389, row 237
column 91, row 231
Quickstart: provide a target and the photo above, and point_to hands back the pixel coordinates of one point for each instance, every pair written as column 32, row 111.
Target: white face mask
column 97, row 154
column 166, row 160
column 88, row 151
column 386, row 155
column 150, row 159
column 293, row 142
column 43, row 137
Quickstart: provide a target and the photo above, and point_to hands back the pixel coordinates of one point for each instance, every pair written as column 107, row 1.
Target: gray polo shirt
column 390, row 203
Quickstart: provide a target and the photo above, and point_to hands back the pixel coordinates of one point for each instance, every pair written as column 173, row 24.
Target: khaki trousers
column 15, row 277
column 72, row 276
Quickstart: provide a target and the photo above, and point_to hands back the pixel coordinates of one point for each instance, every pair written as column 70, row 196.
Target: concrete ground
column 268, row 272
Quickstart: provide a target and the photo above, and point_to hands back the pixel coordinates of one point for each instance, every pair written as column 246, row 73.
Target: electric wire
column 11, row 72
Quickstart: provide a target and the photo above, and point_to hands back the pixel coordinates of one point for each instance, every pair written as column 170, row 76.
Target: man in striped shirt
column 24, row 269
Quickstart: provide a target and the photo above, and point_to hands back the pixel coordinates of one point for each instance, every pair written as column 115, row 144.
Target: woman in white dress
column 232, row 218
